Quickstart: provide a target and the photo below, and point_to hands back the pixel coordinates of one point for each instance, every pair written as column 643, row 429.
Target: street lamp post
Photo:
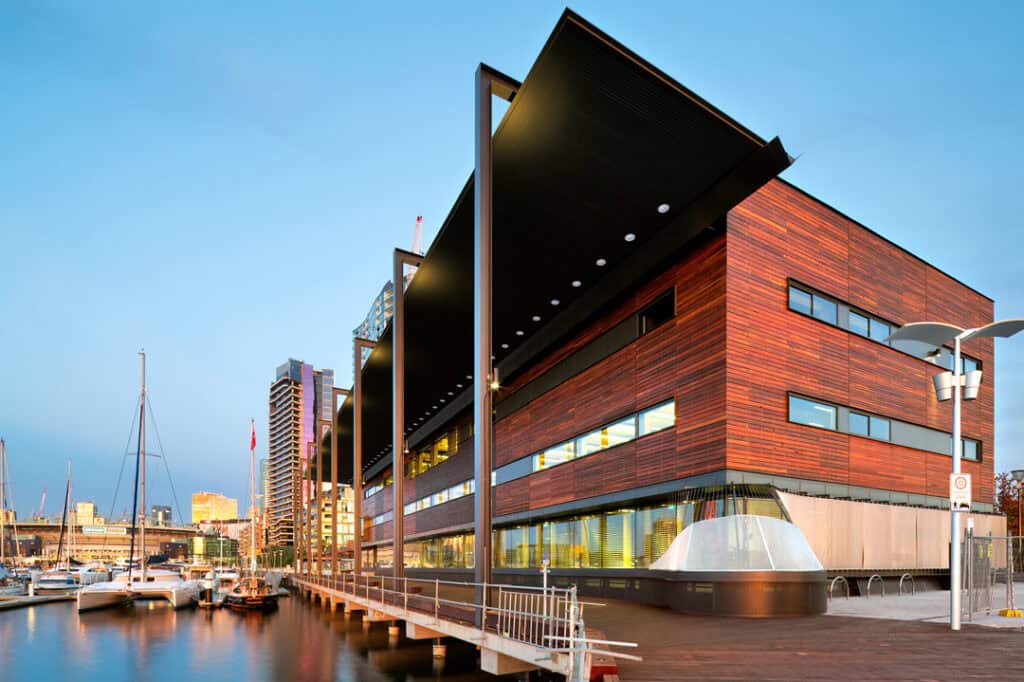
column 938, row 334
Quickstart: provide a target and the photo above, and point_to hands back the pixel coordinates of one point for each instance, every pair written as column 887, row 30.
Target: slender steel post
column 954, row 559
column 319, row 500
column 401, row 259
column 334, row 478
column 483, row 424
column 487, row 83
column 308, row 499
column 357, row 454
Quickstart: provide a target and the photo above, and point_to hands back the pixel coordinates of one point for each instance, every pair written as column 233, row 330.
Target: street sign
column 960, row 492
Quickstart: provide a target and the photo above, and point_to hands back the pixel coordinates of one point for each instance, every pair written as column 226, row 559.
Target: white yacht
column 155, row 583
column 56, row 581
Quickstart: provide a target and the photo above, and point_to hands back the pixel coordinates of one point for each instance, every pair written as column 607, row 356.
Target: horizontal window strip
column 822, row 414
column 838, row 313
column 623, row 430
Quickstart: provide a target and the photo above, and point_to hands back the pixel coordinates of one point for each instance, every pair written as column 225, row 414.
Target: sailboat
column 10, row 585
column 145, row 583
column 60, row 580
column 253, row 592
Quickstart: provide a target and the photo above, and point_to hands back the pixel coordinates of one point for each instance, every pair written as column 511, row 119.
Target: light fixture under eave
column 601, row 262
column 536, row 318
column 663, row 208
column 630, row 237
column 555, row 301
column 504, row 345
column 519, row 332
column 577, row 284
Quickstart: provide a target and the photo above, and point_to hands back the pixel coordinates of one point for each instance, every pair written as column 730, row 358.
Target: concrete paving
column 931, row 606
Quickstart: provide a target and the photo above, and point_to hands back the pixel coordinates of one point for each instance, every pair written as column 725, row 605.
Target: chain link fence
column 991, row 567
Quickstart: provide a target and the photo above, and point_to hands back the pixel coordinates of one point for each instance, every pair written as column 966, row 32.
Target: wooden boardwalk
column 679, row 647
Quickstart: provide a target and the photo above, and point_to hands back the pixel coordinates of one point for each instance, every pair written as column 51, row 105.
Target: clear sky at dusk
column 222, row 183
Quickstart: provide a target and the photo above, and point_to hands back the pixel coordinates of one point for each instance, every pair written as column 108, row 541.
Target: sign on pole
column 960, row 492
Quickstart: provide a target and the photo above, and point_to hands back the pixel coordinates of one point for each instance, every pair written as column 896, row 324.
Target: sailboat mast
column 71, row 520
column 252, row 505
column 142, row 465
column 3, row 498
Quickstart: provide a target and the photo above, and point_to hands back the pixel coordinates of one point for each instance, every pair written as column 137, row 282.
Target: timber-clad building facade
column 680, row 335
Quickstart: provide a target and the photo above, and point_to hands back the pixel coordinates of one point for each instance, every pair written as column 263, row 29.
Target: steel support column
column 334, row 478
column 357, row 453
column 488, row 83
column 401, row 259
column 308, row 498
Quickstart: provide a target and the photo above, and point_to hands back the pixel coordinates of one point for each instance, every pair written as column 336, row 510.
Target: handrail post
column 437, row 598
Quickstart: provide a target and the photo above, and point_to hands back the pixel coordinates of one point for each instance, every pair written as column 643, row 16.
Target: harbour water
column 150, row 641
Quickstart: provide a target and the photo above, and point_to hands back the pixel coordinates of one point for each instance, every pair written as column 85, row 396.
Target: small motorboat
column 252, row 593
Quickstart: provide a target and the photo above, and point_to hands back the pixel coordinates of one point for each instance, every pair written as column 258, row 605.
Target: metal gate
column 990, row 564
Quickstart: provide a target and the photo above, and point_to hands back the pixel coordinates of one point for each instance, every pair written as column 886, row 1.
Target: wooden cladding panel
column 779, row 233
column 683, row 359
column 442, row 516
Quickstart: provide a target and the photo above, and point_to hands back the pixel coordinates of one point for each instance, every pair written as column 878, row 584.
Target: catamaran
column 141, row 583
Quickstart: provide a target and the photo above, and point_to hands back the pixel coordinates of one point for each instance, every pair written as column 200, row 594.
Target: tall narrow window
column 658, row 313
column 799, row 300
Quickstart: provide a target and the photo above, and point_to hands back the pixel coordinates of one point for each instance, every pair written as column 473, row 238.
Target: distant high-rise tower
column 383, row 305
column 297, row 398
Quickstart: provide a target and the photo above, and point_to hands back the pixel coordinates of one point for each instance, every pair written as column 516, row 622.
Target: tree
column 1007, row 501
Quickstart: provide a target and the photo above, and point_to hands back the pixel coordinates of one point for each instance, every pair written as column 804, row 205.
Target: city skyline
column 194, row 237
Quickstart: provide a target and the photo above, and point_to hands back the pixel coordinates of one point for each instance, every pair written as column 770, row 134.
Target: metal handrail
column 839, row 578
column 913, row 586
column 880, row 582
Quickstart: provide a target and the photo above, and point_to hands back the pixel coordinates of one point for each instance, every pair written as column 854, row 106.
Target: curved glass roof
column 739, row 543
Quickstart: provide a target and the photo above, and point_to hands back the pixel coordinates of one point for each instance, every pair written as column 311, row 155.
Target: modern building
column 160, row 515
column 696, row 338
column 85, row 514
column 300, row 397
column 377, row 317
column 213, row 507
column 345, row 521
column 214, row 549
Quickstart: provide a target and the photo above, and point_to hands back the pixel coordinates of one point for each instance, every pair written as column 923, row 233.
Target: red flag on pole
column 252, row 444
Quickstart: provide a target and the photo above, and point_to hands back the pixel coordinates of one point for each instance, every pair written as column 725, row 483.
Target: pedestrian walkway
column 931, row 606
column 836, row 648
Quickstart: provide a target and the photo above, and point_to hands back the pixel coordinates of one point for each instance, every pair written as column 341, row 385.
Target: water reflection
column 150, row 641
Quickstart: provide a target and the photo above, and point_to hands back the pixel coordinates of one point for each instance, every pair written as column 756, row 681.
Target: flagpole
column 252, row 506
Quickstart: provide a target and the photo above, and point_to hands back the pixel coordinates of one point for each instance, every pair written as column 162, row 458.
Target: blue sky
column 222, row 184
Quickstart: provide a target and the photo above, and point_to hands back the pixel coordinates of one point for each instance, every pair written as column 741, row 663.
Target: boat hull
column 265, row 602
column 92, row 600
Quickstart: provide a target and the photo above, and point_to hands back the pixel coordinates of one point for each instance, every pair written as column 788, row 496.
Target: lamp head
column 943, row 386
column 972, row 383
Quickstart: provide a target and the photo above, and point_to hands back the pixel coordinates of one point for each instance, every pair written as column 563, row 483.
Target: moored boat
column 252, row 593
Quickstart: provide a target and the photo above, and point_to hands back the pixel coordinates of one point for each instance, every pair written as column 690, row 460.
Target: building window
column 658, row 313
column 880, row 331
column 859, row 424
column 859, row 324
column 879, row 428
column 970, row 450
column 825, row 309
column 658, row 418
column 799, row 300
column 811, row 413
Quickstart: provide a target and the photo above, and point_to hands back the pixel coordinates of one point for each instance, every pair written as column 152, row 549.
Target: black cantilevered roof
column 595, row 140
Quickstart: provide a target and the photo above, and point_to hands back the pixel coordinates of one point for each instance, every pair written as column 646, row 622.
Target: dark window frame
column 654, row 311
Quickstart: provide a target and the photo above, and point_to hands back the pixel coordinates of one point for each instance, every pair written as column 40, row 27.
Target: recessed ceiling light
column 519, row 332
column 434, row 407
column 576, row 283
column 451, row 393
column 504, row 345
column 663, row 208
column 555, row 301
column 440, row 400
column 458, row 385
column 536, row 318
column 469, row 376
column 601, row 262
column 630, row 237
